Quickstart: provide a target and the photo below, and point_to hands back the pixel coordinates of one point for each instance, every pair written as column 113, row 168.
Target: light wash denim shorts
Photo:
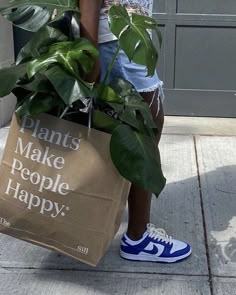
column 123, row 68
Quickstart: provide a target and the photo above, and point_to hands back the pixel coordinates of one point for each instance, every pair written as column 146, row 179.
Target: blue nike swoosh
column 153, row 251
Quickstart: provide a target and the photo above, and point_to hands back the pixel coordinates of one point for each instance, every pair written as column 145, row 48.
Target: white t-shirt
column 143, row 7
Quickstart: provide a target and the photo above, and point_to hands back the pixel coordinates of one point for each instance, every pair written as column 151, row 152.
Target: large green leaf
column 40, row 42
column 134, row 36
column 70, row 55
column 107, row 94
column 134, row 104
column 104, row 122
column 9, row 77
column 136, row 157
column 20, row 93
column 81, row 51
column 68, row 87
column 118, row 108
column 32, row 15
column 37, row 103
column 39, row 84
column 69, row 24
column 122, row 87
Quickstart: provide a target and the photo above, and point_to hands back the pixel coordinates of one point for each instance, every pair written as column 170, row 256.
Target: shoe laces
column 158, row 234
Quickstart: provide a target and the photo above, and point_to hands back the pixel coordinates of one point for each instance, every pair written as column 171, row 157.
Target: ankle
column 135, row 234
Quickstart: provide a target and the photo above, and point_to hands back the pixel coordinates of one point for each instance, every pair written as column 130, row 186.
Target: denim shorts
column 123, row 68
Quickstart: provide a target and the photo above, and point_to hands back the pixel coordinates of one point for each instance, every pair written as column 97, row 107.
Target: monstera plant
column 49, row 76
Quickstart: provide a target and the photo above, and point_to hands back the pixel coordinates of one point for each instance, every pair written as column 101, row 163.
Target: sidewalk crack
column 203, row 217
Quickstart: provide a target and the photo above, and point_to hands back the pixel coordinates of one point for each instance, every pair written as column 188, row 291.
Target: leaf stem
column 65, row 111
column 106, row 79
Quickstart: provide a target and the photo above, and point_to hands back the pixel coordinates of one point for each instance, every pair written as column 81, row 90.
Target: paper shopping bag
column 59, row 188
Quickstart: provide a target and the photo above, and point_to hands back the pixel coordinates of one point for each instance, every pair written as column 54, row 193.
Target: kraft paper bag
column 59, row 188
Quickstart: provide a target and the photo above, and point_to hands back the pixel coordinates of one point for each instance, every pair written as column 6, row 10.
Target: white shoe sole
column 153, row 258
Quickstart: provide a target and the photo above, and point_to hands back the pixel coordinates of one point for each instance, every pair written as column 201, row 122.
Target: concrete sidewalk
column 198, row 205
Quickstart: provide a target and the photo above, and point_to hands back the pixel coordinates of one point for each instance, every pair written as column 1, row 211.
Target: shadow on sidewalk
column 219, row 199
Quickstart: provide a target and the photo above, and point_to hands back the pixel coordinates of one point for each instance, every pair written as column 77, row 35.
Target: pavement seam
column 106, row 271
column 224, row 276
column 199, row 134
column 203, row 217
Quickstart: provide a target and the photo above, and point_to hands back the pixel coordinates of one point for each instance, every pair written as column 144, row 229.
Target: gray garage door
column 198, row 60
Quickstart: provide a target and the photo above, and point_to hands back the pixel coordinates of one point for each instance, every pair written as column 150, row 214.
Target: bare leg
column 140, row 200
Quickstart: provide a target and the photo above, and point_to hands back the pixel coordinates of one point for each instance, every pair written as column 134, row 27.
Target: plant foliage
column 49, row 76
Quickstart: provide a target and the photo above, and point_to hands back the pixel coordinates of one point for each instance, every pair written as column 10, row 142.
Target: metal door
column 198, row 57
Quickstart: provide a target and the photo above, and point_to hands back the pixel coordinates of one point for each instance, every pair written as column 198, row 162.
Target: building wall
column 7, row 104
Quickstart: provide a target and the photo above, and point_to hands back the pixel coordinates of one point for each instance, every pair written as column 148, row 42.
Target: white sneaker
column 155, row 246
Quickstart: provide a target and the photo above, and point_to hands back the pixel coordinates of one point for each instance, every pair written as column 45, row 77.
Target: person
column 142, row 241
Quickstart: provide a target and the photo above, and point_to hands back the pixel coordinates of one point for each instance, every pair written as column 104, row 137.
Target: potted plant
column 49, row 76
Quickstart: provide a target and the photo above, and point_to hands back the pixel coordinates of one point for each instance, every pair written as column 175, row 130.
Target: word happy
column 40, row 184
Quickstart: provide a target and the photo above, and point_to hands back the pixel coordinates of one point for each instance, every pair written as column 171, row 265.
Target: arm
column 89, row 24
column 89, row 19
